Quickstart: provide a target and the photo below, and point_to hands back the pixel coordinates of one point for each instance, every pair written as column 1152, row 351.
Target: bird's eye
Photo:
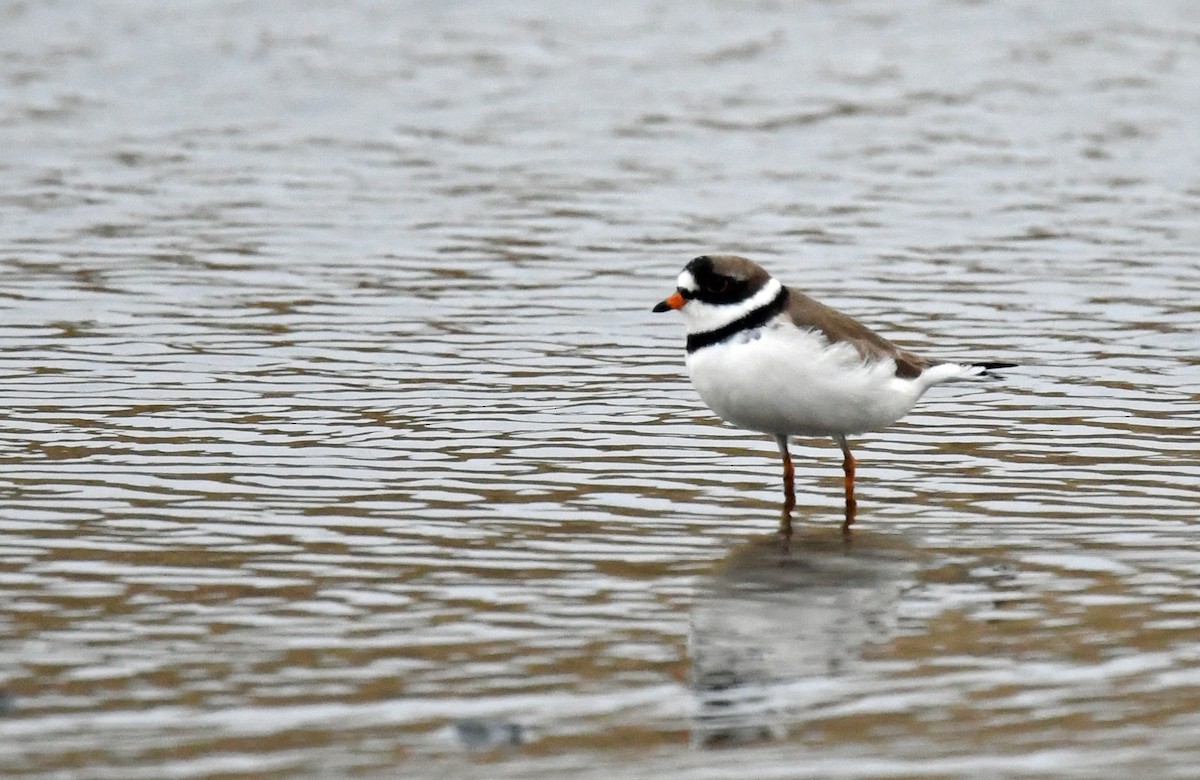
column 719, row 284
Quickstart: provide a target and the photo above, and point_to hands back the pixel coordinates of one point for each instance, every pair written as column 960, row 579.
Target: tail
column 948, row 372
column 986, row 369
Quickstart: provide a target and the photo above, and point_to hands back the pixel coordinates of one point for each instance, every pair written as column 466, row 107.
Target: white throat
column 701, row 317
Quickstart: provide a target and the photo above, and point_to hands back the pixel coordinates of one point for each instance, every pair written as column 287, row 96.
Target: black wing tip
column 986, row 369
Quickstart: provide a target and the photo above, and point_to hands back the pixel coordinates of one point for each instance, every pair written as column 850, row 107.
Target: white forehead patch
column 686, row 281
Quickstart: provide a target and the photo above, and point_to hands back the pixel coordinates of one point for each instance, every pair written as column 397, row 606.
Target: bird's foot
column 785, row 531
column 851, row 512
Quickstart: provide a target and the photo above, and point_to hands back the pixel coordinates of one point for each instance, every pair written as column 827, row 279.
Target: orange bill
column 674, row 301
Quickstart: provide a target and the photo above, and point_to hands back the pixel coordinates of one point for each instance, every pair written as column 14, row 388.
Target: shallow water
column 339, row 439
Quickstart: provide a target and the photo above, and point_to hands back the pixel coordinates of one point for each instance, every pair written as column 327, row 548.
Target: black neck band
column 753, row 319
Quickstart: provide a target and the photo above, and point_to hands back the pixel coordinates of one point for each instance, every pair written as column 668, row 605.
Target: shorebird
column 771, row 359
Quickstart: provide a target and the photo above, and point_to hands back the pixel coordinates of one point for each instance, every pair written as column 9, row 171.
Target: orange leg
column 789, row 487
column 848, row 464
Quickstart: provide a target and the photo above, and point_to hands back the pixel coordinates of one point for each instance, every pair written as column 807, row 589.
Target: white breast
column 780, row 379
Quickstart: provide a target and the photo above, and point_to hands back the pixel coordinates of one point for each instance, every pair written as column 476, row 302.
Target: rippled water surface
column 338, row 439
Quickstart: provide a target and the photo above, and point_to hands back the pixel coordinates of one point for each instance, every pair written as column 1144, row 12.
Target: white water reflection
column 772, row 630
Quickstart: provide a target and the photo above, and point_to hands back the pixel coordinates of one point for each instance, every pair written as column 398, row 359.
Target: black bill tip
column 675, row 300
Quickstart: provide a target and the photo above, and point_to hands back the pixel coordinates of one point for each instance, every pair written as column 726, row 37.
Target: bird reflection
column 770, row 622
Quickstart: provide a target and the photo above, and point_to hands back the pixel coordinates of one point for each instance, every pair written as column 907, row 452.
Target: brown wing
column 808, row 313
